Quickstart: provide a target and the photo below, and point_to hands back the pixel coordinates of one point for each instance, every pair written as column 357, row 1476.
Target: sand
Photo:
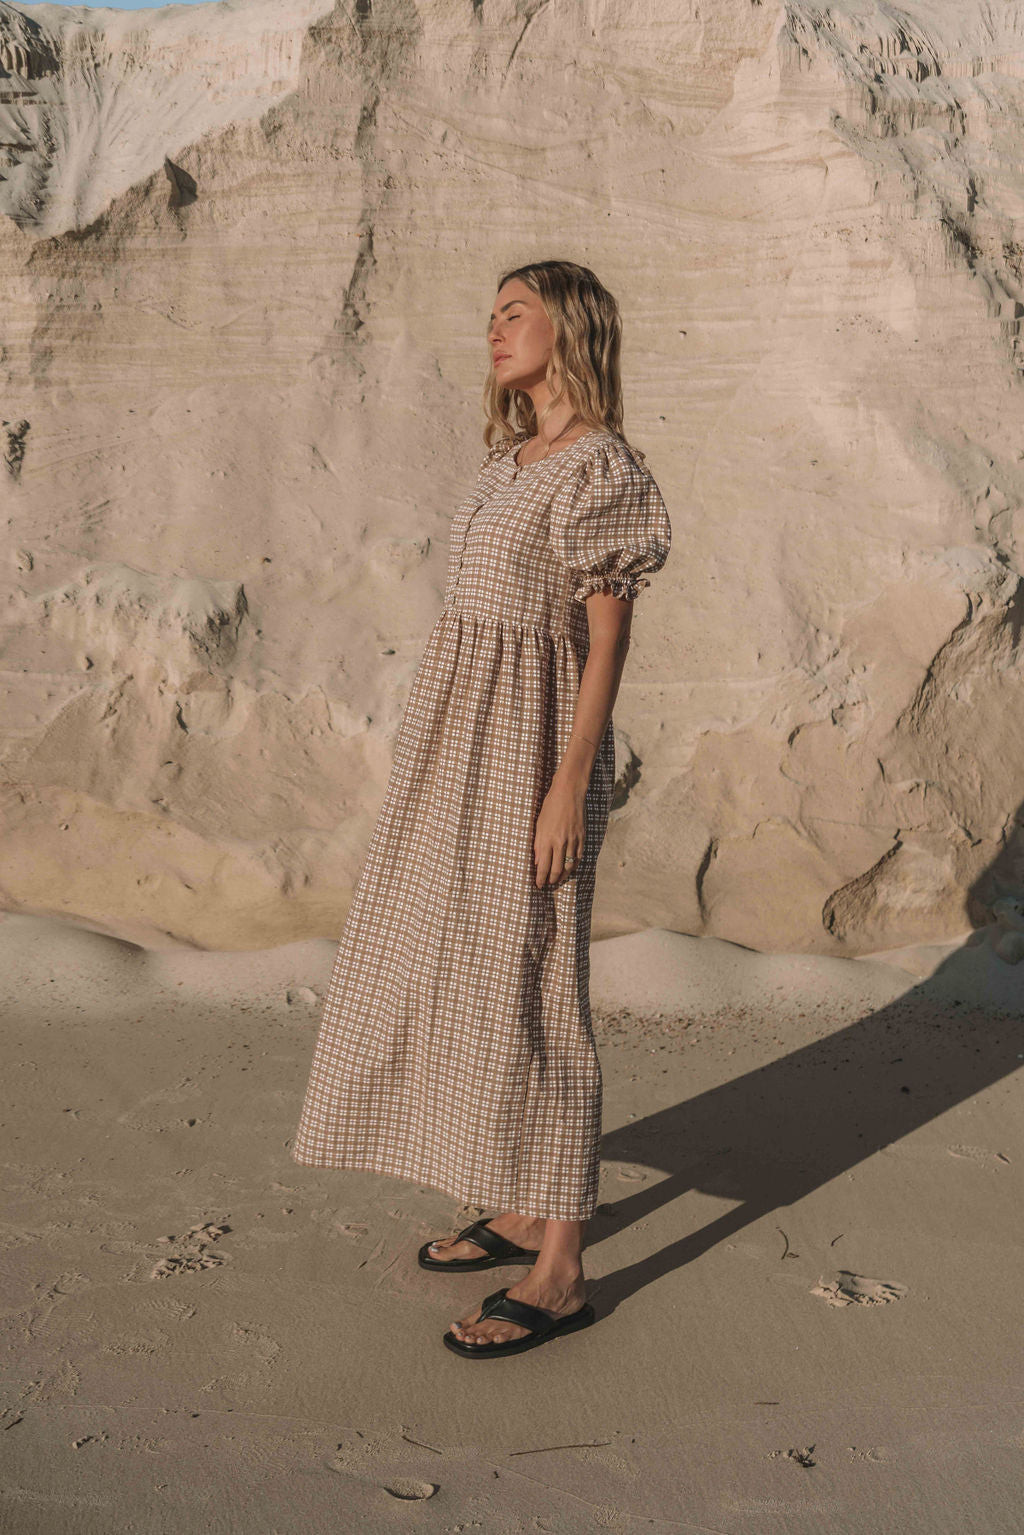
column 248, row 250
column 805, row 1263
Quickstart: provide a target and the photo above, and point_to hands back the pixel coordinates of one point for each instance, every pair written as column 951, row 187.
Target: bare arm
column 560, row 825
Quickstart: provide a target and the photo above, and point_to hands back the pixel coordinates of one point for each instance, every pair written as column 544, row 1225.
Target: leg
column 555, row 1283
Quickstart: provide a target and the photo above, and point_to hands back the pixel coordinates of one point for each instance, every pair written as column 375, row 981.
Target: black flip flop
column 499, row 1249
column 543, row 1326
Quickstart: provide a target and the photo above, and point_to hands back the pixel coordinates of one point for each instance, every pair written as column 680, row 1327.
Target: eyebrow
column 507, row 306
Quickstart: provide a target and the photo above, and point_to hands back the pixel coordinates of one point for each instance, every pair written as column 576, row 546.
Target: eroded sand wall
column 247, row 261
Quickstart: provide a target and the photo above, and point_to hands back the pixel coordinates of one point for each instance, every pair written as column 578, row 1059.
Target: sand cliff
column 247, row 257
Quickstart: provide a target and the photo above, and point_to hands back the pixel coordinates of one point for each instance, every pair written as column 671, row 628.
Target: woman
column 456, row 1046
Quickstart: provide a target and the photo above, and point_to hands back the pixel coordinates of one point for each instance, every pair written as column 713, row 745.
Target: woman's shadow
column 768, row 1138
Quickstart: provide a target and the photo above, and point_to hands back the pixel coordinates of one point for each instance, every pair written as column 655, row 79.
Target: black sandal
column 543, row 1326
column 500, row 1250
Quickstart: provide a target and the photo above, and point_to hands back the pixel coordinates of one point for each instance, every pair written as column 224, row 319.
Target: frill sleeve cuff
column 627, row 587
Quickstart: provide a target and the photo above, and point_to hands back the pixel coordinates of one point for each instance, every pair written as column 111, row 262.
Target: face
column 520, row 336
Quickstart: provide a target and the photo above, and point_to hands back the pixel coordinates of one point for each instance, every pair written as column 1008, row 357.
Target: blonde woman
column 456, row 1046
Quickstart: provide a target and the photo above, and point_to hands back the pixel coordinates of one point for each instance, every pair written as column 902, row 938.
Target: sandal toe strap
column 491, row 1241
column 508, row 1309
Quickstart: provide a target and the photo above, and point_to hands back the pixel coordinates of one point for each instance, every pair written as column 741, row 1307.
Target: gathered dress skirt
column 456, row 1046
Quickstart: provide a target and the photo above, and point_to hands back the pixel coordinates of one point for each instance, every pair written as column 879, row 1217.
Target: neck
column 561, row 418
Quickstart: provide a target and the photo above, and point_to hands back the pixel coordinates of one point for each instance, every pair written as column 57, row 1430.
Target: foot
column 521, row 1229
column 559, row 1294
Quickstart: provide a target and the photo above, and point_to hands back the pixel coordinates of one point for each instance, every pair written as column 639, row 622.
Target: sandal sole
column 582, row 1318
column 471, row 1265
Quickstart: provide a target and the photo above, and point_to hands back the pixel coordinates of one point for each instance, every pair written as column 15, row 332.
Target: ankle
column 563, row 1272
column 526, row 1222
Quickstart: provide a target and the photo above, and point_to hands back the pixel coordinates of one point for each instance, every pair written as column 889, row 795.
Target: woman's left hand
column 559, row 833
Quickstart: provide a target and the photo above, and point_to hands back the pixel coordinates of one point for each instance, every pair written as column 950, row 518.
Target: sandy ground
column 805, row 1265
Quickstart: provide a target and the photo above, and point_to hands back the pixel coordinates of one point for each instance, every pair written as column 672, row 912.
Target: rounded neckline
column 519, row 468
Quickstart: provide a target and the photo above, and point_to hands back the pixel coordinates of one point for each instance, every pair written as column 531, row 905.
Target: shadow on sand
column 774, row 1135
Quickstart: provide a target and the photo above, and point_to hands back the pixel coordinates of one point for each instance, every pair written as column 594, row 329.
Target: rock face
column 248, row 254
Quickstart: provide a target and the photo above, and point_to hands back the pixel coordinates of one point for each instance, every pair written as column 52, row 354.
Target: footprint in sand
column 360, row 1456
column 410, row 1490
column 848, row 1289
column 803, row 1457
column 191, row 1251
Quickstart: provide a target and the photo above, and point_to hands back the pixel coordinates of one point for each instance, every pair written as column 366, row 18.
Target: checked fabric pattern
column 455, row 1047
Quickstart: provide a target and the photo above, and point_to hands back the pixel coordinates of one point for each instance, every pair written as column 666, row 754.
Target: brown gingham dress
column 456, row 1046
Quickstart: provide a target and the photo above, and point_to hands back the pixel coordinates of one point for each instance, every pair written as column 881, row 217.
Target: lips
column 501, row 356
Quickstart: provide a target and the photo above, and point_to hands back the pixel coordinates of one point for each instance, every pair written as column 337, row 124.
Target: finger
column 570, row 868
column 542, row 858
column 559, row 872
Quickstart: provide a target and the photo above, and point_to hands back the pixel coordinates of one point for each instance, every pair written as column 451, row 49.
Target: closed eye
column 516, row 316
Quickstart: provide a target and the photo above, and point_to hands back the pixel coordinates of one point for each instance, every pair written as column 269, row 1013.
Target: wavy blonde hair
column 584, row 356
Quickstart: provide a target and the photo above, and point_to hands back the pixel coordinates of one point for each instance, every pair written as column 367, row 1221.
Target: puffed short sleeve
column 609, row 524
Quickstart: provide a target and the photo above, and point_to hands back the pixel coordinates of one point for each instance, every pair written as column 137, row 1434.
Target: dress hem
column 562, row 1213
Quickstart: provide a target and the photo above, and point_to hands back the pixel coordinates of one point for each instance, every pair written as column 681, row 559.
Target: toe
column 448, row 1248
